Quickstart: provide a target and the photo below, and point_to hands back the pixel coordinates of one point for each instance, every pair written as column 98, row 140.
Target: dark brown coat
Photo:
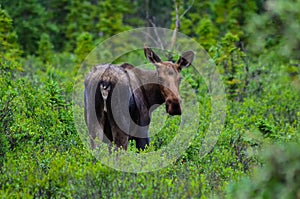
column 119, row 99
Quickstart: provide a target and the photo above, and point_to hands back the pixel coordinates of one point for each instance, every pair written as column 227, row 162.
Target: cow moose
column 119, row 100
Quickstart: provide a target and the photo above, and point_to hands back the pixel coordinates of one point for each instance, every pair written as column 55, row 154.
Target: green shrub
column 278, row 178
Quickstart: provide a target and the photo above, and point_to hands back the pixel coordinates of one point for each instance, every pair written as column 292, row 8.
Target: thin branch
column 187, row 9
column 147, row 11
column 158, row 41
column 177, row 24
column 156, row 34
column 150, row 37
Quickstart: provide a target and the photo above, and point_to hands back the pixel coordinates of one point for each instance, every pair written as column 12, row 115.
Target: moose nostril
column 173, row 106
column 168, row 101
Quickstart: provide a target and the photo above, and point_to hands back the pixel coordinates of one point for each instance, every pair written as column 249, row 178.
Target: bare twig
column 177, row 24
column 187, row 9
column 147, row 11
column 150, row 37
column 156, row 34
column 157, row 41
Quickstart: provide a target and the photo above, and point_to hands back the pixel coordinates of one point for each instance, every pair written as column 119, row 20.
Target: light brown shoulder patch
column 127, row 66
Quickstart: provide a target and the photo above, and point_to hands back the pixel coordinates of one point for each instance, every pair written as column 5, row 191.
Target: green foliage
column 76, row 174
column 45, row 49
column 207, row 32
column 282, row 35
column 34, row 113
column 158, row 11
column 78, row 19
column 7, row 94
column 231, row 15
column 30, row 20
column 228, row 16
column 231, row 62
column 279, row 178
column 9, row 48
column 83, row 47
column 64, row 21
column 110, row 24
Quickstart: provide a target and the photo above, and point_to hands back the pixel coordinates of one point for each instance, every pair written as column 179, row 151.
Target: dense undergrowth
column 257, row 152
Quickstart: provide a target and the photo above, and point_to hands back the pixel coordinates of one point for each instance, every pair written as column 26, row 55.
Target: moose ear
column 185, row 59
column 150, row 55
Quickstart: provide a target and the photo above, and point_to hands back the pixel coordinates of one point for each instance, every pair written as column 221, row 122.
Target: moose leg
column 120, row 138
column 107, row 138
column 94, row 121
column 141, row 143
column 142, row 138
column 95, row 128
column 96, row 133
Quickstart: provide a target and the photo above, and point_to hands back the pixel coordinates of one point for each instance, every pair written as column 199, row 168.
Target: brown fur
column 158, row 86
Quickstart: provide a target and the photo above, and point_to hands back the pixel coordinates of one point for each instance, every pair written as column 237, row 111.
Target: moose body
column 119, row 100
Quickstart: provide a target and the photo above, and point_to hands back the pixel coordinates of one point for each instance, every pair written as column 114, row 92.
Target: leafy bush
column 278, row 178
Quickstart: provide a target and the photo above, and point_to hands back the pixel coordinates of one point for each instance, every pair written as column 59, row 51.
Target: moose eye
column 160, row 80
column 170, row 73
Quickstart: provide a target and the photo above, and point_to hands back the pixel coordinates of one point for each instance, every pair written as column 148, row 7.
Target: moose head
column 169, row 78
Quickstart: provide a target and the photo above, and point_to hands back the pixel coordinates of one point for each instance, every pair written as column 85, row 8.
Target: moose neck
column 151, row 91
